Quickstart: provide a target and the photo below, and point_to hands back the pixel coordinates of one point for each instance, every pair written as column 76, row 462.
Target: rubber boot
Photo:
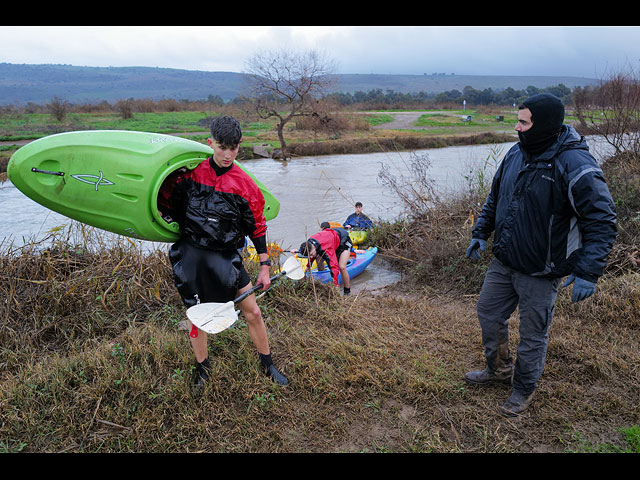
column 501, row 372
column 487, row 377
column 516, row 404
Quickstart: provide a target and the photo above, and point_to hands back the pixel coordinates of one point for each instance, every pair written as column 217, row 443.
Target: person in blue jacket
column 551, row 215
column 358, row 220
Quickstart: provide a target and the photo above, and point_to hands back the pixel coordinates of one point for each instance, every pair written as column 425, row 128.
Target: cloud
column 577, row 51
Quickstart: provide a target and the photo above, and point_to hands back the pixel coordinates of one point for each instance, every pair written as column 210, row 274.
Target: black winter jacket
column 552, row 215
column 216, row 207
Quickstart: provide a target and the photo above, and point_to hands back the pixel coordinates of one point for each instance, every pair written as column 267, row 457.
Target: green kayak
column 110, row 179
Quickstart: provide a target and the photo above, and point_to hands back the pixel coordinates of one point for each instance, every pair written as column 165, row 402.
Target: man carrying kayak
column 217, row 205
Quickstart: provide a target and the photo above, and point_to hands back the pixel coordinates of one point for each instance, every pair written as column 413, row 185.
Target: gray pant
column 503, row 290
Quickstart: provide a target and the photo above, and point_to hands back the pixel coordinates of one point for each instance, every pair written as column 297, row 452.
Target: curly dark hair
column 226, row 132
column 305, row 248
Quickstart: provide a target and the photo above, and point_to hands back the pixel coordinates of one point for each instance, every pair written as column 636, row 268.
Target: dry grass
column 93, row 358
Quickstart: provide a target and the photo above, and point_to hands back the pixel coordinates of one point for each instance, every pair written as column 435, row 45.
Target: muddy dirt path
column 402, row 121
column 15, row 142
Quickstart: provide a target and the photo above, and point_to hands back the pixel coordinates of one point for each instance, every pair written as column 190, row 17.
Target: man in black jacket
column 552, row 215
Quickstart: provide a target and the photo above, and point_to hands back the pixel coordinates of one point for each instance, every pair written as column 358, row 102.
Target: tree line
column 472, row 96
column 374, row 98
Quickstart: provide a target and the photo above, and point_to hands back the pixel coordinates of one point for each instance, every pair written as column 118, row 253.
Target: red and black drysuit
column 330, row 243
column 216, row 209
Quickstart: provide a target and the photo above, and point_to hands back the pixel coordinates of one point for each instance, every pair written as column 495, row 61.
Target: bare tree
column 125, row 108
column 612, row 109
column 285, row 85
column 58, row 107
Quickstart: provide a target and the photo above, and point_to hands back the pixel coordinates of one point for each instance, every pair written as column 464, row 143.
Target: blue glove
column 581, row 288
column 472, row 251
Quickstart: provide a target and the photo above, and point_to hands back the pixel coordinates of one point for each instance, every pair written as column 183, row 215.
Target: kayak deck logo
column 93, row 179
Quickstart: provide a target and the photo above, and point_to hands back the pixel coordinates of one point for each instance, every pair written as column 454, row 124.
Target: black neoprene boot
column 276, row 376
column 271, row 371
column 203, row 370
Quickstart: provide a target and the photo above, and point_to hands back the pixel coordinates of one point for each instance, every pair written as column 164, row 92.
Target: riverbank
column 94, row 359
column 398, row 142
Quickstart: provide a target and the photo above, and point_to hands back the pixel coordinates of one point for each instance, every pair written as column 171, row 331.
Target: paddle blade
column 293, row 269
column 212, row 317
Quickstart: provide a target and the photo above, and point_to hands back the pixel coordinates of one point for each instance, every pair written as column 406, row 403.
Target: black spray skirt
column 202, row 275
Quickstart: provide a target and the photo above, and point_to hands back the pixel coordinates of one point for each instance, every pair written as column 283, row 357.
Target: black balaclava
column 547, row 115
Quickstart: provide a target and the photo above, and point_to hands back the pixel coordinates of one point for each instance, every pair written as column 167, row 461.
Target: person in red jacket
column 218, row 205
column 331, row 246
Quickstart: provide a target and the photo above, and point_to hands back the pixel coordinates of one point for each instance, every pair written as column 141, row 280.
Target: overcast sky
column 593, row 52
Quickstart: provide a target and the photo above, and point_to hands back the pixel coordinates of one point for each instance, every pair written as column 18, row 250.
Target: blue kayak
column 355, row 266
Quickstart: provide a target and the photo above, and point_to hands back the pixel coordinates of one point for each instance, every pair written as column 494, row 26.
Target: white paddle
column 212, row 317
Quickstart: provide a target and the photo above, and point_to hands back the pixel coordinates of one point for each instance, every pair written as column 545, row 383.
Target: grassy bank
column 94, row 359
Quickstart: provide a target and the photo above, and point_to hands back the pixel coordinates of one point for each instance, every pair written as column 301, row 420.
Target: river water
column 311, row 190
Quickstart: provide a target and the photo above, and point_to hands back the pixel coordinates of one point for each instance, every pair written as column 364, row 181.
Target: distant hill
column 23, row 83
column 20, row 84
